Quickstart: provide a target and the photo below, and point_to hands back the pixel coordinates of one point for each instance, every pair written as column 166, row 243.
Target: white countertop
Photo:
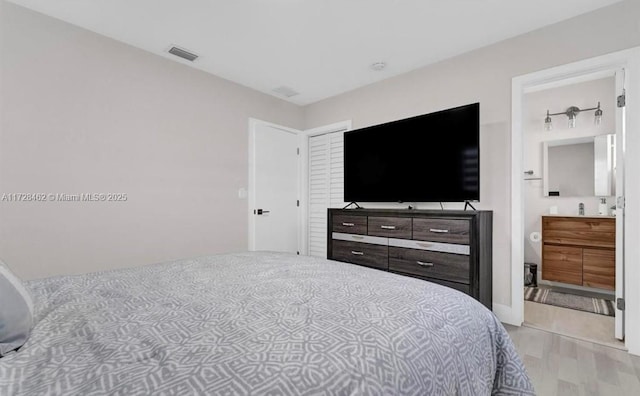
column 578, row 216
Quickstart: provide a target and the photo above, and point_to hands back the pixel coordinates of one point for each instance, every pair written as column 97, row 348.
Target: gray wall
column 84, row 113
column 485, row 76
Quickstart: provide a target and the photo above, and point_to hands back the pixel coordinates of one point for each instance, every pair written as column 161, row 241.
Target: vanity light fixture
column 572, row 113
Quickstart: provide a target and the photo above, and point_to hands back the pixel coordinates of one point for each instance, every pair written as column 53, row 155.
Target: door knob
column 260, row 211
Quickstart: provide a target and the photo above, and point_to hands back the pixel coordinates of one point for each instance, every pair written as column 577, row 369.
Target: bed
column 259, row 323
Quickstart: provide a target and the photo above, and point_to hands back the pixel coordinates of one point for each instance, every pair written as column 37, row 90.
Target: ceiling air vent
column 184, row 54
column 285, row 91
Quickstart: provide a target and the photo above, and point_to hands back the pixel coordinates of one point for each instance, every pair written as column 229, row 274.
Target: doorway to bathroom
column 568, row 216
column 570, row 154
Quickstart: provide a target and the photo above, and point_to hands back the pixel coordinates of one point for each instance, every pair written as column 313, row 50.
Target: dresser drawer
column 463, row 287
column 391, row 227
column 375, row 256
column 580, row 232
column 442, row 230
column 431, row 246
column 350, row 224
column 562, row 264
column 445, row 266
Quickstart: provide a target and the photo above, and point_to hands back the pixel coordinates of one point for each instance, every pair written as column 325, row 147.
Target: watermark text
column 63, row 197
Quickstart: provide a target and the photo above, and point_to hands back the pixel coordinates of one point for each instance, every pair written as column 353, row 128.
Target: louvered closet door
column 326, row 188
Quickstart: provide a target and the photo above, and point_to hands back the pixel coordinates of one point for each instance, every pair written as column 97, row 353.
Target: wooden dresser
column 579, row 250
column 452, row 248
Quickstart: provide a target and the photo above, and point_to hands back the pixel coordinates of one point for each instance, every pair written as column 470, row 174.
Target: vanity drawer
column 579, row 231
column 442, row 230
column 374, row 256
column 350, row 224
column 562, row 264
column 445, row 266
column 391, row 227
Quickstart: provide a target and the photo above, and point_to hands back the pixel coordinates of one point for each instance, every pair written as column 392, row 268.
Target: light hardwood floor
column 565, row 366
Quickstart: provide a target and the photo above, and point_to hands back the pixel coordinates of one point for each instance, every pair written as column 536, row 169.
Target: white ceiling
column 319, row 48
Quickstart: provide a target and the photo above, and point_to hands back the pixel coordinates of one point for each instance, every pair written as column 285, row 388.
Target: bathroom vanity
column 579, row 250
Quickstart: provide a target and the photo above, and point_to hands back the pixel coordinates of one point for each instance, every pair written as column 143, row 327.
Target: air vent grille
column 184, row 54
column 285, row 91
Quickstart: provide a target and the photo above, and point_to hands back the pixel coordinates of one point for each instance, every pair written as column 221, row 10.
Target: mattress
column 256, row 324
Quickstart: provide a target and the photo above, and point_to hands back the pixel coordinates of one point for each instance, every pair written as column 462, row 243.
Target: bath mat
column 572, row 301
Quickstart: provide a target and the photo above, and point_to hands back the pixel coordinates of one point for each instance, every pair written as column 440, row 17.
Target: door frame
column 254, row 123
column 304, row 174
column 629, row 60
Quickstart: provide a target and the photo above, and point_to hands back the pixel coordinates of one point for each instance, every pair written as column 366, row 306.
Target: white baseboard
column 506, row 315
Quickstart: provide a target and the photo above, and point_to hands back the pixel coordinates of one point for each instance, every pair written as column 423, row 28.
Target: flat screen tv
column 429, row 158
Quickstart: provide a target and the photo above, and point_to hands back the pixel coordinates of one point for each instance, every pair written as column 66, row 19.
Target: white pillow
column 16, row 311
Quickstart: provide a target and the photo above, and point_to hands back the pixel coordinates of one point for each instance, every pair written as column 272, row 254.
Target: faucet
column 581, row 209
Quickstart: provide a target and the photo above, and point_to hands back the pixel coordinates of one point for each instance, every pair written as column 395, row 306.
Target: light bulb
column 598, row 116
column 597, row 120
column 548, row 125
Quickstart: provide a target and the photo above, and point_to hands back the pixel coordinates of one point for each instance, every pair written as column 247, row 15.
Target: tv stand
column 467, row 203
column 353, row 203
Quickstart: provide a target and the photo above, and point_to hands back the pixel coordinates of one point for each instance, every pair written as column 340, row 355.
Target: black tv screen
column 429, row 158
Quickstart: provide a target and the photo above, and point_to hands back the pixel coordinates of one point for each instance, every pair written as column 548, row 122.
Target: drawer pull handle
column 348, row 224
column 386, row 227
column 357, row 253
column 438, row 230
column 423, row 264
column 356, row 237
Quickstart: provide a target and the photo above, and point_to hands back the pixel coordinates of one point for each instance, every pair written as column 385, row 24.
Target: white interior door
column 620, row 211
column 274, row 188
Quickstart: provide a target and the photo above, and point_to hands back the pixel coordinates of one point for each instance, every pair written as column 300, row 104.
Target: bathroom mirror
column 579, row 167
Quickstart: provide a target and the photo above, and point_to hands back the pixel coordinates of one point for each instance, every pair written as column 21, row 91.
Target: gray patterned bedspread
column 260, row 324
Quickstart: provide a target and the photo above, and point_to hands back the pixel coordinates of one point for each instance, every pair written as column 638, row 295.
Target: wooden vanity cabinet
column 579, row 250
